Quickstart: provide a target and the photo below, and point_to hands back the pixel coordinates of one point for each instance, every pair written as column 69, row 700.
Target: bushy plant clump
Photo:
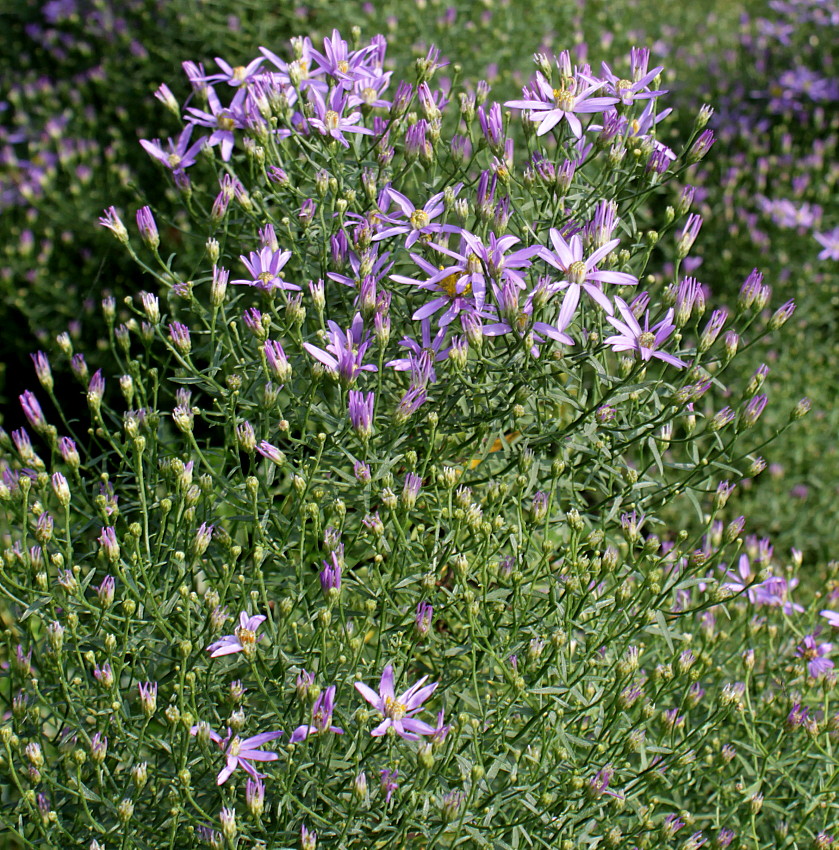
column 360, row 544
column 773, row 194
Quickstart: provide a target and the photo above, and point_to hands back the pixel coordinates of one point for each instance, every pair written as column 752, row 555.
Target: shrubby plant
column 367, row 547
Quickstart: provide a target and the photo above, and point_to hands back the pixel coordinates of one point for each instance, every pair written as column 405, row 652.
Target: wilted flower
column 243, row 640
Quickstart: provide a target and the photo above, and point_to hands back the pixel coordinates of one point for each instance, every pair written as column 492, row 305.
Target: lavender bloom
column 433, row 349
column 830, row 242
column 243, row 640
column 180, row 155
column 238, row 76
column 424, row 617
column 832, row 618
column 112, row 221
column 33, row 411
column 643, row 341
column 345, row 351
column 321, row 718
column 580, row 273
column 628, row 91
column 388, row 783
column 222, row 120
column 813, row 653
column 549, row 106
column 398, row 711
column 411, row 489
column 264, row 267
column 240, row 752
column 308, row 838
column 148, row 697
column 330, row 577
column 148, row 227
column 329, row 120
column 417, row 223
column 361, row 412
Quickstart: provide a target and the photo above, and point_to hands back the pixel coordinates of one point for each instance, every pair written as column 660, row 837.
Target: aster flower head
column 239, row 752
column 419, row 224
column 240, row 75
column 548, row 105
column 830, row 243
column 265, row 266
column 243, row 639
column 644, row 341
column 345, row 351
column 180, row 154
column 814, row 654
column 581, row 272
column 321, row 718
column 398, row 711
column 223, row 120
column 329, row 118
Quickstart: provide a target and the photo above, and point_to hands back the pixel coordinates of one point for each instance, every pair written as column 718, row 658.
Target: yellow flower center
column 343, row 66
column 368, row 95
column 473, row 264
column 810, row 654
column 235, row 746
column 174, row 160
column 225, row 121
column 419, row 219
column 245, row 636
column 265, row 277
column 577, row 272
column 564, row 99
column 303, row 65
column 623, row 84
column 394, row 709
column 647, row 340
column 331, row 119
column 239, row 73
column 449, row 285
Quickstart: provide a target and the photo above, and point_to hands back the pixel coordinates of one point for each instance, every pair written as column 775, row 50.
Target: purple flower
column 264, row 267
column 33, row 411
column 222, row 120
column 579, row 273
column 240, row 752
column 329, row 120
column 548, row 106
column 388, row 783
column 321, row 718
column 345, row 351
column 180, row 155
column 813, row 653
column 417, row 223
column 361, row 412
column 643, row 341
column 243, row 639
column 830, row 242
column 330, row 576
column 424, row 617
column 238, row 76
column 398, row 711
column 832, row 618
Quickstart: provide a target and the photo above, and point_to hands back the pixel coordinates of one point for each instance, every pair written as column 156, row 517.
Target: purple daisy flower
column 434, row 349
column 329, row 120
column 548, row 106
column 417, row 223
column 645, row 341
column 813, row 653
column 830, row 242
column 321, row 718
column 397, row 711
column 243, row 639
column 582, row 273
column 265, row 266
column 345, row 350
column 239, row 752
column 241, row 75
column 223, row 120
column 180, row 155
